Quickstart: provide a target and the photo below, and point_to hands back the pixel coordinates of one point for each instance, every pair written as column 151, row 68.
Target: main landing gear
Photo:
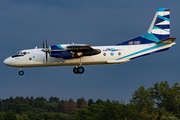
column 21, row 72
column 78, row 70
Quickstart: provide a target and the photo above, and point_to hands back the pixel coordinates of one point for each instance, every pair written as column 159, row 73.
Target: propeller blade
column 45, row 49
column 46, row 42
column 46, row 57
column 43, row 45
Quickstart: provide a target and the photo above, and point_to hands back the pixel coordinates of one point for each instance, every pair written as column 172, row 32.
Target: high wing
column 78, row 47
column 79, row 50
column 71, row 51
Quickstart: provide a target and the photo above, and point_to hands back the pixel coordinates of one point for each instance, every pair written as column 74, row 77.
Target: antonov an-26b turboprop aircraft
column 157, row 39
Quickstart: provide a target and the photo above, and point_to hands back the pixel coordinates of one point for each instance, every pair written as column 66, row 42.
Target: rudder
column 160, row 26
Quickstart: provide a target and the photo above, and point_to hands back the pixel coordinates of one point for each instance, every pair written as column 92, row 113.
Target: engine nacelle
column 59, row 52
column 85, row 53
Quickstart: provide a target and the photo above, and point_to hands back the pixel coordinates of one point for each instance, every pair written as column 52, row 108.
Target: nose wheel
column 78, row 70
column 21, row 72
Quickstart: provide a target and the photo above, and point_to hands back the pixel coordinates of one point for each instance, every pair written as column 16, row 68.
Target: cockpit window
column 19, row 54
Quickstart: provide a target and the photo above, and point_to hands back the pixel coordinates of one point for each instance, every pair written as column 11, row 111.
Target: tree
column 60, row 107
column 72, row 105
column 53, row 99
column 22, row 100
column 10, row 116
column 2, row 114
column 108, row 111
column 40, row 102
column 98, row 101
column 161, row 98
column 81, row 103
column 31, row 101
column 65, row 105
column 22, row 117
column 142, row 98
column 90, row 102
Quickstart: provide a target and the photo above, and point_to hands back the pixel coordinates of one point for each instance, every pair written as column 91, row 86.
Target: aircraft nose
column 8, row 61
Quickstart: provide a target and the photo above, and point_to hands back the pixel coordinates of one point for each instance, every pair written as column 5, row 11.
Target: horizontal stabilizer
column 166, row 41
column 117, row 61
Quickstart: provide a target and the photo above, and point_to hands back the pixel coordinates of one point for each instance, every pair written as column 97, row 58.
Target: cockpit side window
column 19, row 54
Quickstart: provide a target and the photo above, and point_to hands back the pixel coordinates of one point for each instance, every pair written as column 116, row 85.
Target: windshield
column 21, row 53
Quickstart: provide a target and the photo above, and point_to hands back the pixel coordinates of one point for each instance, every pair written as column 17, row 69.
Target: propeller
column 46, row 50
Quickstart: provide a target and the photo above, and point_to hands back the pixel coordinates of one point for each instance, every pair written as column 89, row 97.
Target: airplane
column 157, row 39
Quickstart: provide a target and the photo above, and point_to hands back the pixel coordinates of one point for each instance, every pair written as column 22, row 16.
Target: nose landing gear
column 21, row 72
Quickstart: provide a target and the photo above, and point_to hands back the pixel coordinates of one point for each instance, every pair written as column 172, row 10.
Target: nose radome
column 7, row 61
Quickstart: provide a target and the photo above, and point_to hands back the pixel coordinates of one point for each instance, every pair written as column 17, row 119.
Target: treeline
column 160, row 102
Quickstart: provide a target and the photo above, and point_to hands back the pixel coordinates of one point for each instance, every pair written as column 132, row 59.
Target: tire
column 80, row 70
column 21, row 73
column 75, row 70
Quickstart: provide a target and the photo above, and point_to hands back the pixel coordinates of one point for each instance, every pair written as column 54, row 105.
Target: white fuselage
column 108, row 55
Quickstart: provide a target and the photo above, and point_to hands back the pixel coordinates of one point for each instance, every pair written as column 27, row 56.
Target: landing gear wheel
column 80, row 70
column 75, row 70
column 21, row 73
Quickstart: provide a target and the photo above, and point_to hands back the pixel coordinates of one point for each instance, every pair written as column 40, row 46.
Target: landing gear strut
column 78, row 70
column 21, row 73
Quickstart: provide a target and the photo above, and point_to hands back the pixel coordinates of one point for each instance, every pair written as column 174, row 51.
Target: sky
column 25, row 24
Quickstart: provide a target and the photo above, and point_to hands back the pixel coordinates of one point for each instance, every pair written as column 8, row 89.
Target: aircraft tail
column 159, row 29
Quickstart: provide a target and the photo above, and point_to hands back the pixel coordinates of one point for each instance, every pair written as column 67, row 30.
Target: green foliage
column 160, row 102
column 168, row 118
column 107, row 111
column 66, row 117
column 22, row 117
column 161, row 98
column 2, row 114
column 10, row 116
column 90, row 102
column 81, row 103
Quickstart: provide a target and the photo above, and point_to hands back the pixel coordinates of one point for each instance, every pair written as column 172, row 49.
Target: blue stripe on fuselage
column 151, row 48
column 151, row 53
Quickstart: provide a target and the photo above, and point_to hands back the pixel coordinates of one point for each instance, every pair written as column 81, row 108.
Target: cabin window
column 119, row 53
column 104, row 54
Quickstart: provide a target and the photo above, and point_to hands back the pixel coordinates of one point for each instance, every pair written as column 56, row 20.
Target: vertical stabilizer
column 160, row 26
column 158, row 30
